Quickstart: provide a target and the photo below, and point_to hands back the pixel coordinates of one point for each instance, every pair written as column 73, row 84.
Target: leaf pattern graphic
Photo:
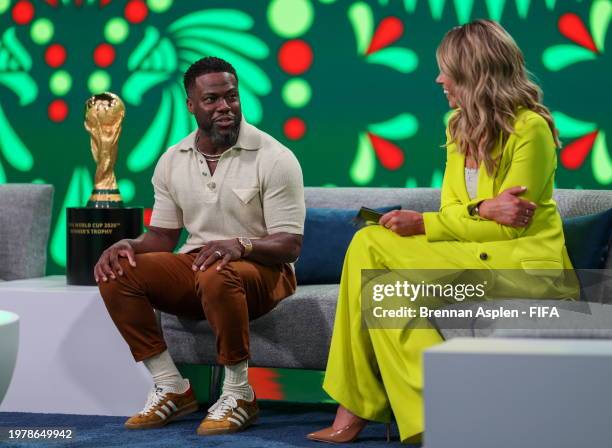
column 15, row 62
column 160, row 60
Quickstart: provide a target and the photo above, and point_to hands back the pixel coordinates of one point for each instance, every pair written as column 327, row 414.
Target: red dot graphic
column 294, row 128
column 58, row 110
column 104, row 55
column 136, row 11
column 295, row 57
column 23, row 12
column 148, row 212
column 55, row 55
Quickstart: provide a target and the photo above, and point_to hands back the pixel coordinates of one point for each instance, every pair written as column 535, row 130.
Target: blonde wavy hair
column 490, row 84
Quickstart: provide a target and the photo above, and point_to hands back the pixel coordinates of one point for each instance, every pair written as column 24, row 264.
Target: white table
column 9, row 342
column 528, row 393
column 71, row 357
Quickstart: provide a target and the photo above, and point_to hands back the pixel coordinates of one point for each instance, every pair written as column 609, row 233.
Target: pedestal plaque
column 90, row 232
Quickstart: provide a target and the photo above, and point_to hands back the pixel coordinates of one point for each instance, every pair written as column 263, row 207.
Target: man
column 239, row 193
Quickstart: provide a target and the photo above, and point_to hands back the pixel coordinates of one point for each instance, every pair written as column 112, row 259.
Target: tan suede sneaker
column 229, row 415
column 163, row 407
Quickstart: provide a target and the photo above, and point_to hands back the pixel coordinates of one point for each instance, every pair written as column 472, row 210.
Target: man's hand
column 508, row 209
column 211, row 252
column 108, row 264
column 403, row 222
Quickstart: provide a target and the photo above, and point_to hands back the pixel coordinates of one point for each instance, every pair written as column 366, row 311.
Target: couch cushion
column 327, row 235
column 296, row 334
column 419, row 199
column 555, row 333
column 25, row 218
column 576, row 319
column 582, row 202
column 587, row 239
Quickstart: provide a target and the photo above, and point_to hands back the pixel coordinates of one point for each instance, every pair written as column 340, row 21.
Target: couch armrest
column 25, row 220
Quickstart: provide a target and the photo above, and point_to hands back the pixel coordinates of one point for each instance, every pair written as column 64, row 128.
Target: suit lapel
column 486, row 184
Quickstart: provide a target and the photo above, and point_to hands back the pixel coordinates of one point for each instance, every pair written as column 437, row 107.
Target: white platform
column 528, row 393
column 9, row 343
column 71, row 357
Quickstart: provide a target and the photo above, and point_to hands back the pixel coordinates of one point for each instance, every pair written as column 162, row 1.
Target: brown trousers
column 228, row 299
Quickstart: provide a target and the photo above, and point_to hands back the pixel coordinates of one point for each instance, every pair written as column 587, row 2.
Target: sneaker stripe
column 239, row 417
column 233, row 420
column 172, row 405
column 166, row 409
column 161, row 415
column 243, row 412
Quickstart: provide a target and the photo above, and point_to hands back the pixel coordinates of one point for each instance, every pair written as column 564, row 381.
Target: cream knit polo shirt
column 256, row 190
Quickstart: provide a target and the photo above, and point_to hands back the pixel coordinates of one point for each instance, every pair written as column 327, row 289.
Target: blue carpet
column 279, row 426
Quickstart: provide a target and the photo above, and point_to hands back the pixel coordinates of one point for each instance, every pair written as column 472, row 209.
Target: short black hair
column 209, row 64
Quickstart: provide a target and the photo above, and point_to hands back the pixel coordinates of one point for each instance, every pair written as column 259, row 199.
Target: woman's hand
column 403, row 222
column 508, row 209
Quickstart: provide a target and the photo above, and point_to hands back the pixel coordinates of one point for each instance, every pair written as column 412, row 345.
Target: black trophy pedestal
column 90, row 232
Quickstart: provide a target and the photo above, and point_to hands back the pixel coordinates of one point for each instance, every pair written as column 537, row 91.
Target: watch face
column 246, row 243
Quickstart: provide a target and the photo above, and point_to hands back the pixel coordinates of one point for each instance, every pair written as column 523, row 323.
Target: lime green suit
column 376, row 372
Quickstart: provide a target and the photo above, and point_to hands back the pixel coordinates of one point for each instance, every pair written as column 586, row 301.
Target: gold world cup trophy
column 104, row 114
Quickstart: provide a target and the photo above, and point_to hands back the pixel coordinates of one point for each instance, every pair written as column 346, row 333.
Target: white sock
column 236, row 382
column 165, row 374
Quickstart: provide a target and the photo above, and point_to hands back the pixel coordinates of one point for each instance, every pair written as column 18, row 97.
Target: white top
column 471, row 181
column 256, row 190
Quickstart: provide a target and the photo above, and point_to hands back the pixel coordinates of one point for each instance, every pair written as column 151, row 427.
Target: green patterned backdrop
column 348, row 85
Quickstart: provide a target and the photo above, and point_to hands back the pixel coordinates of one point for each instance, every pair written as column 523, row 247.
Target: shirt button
column 212, row 185
column 201, row 161
column 204, row 174
column 484, row 256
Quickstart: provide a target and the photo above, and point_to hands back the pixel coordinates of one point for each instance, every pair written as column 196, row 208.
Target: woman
column 497, row 212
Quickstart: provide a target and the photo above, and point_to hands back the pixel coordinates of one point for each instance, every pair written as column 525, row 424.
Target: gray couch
column 25, row 219
column 297, row 333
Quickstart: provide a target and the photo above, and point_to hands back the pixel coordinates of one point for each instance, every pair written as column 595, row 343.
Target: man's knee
column 213, row 285
column 112, row 288
column 109, row 289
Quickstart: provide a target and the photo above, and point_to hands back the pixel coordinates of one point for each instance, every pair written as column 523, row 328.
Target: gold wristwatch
column 247, row 245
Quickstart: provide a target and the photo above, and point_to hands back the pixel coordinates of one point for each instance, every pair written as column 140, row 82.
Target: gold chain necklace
column 208, row 157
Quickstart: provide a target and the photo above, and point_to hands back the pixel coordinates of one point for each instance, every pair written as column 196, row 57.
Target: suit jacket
column 527, row 159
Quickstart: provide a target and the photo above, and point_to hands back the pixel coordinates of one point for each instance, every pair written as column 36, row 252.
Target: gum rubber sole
column 185, row 410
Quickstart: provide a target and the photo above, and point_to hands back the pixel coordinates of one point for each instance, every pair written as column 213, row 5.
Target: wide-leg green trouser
column 377, row 372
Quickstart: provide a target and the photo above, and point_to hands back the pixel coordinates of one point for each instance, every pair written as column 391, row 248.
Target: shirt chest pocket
column 247, row 196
